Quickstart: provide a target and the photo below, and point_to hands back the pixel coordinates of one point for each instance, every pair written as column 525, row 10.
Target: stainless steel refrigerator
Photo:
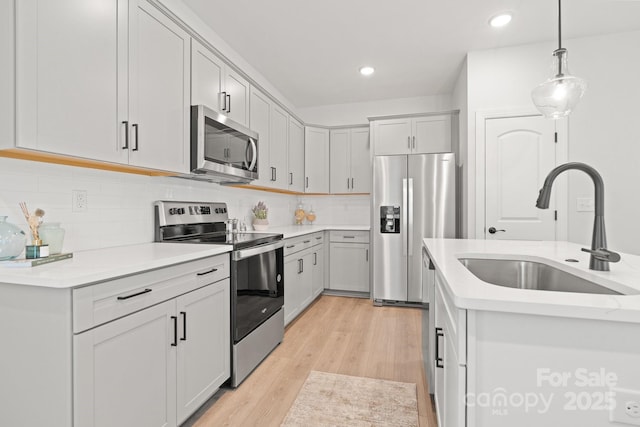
column 413, row 198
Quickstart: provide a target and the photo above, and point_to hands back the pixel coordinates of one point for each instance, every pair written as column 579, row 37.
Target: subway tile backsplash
column 120, row 206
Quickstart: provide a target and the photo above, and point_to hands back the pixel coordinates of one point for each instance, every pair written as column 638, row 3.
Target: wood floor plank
column 340, row 335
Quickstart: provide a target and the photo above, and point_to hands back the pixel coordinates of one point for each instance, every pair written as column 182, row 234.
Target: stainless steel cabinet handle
column 414, row 142
column 184, row 326
column 135, row 132
column 273, row 173
column 352, row 186
column 291, row 246
column 367, row 255
column 290, row 178
column 126, row 135
column 348, row 183
column 224, row 98
column 146, row 291
column 348, row 237
column 409, row 142
column 307, row 182
column 307, row 241
column 315, row 258
column 229, row 106
column 319, row 237
column 300, row 266
column 439, row 360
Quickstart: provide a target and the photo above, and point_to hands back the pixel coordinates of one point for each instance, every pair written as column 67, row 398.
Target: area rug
column 340, row 400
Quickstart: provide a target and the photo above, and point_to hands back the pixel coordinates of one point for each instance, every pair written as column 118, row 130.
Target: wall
column 120, row 206
column 358, row 113
column 603, row 131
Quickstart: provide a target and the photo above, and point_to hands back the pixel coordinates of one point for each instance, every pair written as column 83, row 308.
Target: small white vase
column 260, row 224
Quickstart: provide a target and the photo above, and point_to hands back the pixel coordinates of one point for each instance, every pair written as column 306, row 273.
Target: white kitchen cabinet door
column 349, row 267
column 260, row 122
column 296, row 156
column 454, row 385
column 316, row 160
column 432, row 134
column 292, row 293
column 7, row 74
column 392, row 136
column 207, row 77
column 236, row 89
column 340, row 147
column 159, row 96
column 125, row 371
column 278, row 147
column 317, row 260
column 203, row 345
column 306, row 280
column 67, row 78
column 360, row 157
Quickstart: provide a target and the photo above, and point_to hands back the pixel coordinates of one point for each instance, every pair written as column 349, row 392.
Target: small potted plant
column 260, row 221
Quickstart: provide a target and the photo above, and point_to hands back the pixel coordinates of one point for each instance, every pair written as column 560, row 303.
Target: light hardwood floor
column 342, row 335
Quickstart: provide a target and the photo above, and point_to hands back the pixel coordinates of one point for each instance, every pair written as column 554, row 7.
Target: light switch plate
column 585, row 204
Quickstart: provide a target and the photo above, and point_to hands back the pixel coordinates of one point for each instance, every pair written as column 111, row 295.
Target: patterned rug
column 340, row 400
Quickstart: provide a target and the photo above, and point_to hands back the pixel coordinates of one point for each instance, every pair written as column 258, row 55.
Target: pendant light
column 558, row 96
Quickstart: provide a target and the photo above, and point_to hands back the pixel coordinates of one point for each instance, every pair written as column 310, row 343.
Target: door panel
column 433, row 180
column 390, row 250
column 360, row 161
column 316, row 160
column 340, row 176
column 259, row 116
column 278, row 151
column 432, row 134
column 520, row 152
column 207, row 72
column 392, row 137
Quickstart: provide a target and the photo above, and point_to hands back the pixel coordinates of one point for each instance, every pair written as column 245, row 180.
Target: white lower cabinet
column 349, row 258
column 303, row 273
column 157, row 366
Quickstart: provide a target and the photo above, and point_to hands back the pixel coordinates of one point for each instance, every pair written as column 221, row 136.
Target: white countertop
column 98, row 265
column 299, row 230
column 471, row 293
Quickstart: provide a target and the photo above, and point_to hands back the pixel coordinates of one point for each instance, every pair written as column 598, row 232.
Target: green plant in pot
column 260, row 221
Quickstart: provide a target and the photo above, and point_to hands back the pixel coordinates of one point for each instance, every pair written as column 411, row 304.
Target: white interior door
column 520, row 152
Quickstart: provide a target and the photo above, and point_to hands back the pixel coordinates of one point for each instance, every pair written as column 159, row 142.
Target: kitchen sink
column 530, row 275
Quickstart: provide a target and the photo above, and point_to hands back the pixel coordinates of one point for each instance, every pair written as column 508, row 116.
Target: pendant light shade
column 559, row 95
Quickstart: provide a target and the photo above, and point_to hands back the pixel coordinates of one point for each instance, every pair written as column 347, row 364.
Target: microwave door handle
column 254, row 156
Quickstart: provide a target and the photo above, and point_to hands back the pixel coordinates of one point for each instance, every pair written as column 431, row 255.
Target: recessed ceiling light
column 366, row 70
column 500, row 20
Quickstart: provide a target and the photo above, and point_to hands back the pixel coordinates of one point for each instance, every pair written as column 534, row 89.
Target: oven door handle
column 246, row 253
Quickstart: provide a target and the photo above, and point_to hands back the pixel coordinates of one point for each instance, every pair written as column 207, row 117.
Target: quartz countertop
column 92, row 266
column 469, row 292
column 299, row 230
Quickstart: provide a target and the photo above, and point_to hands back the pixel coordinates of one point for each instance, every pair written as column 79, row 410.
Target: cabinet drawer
column 300, row 243
column 317, row 238
column 347, row 236
column 103, row 302
column 454, row 322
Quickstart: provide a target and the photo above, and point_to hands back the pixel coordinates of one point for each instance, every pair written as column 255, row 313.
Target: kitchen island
column 508, row 356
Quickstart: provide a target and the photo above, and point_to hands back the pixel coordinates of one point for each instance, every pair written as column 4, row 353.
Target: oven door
column 258, row 286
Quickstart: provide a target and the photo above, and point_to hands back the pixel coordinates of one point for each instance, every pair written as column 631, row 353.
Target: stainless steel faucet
column 600, row 255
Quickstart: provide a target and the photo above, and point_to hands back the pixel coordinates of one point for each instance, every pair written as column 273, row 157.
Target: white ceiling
column 311, row 51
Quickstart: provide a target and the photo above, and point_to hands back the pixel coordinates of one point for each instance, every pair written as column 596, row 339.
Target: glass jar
column 51, row 234
column 12, row 239
column 299, row 214
column 311, row 215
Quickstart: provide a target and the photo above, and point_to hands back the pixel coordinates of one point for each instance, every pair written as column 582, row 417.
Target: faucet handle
column 603, row 254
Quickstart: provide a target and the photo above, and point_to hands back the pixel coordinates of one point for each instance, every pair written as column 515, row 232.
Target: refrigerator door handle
column 404, row 228
column 410, row 215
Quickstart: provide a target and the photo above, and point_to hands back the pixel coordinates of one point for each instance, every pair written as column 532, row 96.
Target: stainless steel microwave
column 221, row 149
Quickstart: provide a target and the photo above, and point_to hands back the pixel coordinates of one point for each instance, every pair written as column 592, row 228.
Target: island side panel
column 531, row 370
column 36, row 359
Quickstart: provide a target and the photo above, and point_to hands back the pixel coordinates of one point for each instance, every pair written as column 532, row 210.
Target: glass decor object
column 12, row 239
column 53, row 235
column 299, row 214
column 558, row 96
column 311, row 215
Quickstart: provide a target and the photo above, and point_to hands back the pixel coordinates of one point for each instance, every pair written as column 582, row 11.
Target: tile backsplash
column 120, row 206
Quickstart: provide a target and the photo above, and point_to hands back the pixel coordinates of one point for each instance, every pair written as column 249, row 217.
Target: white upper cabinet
column 296, row 155
column 159, row 52
column 7, row 68
column 350, row 165
column 412, row 135
column 316, row 160
column 278, row 148
column 217, row 85
column 67, row 78
column 110, row 86
column 260, row 122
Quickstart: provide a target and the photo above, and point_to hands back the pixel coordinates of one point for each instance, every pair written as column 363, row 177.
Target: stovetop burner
column 196, row 222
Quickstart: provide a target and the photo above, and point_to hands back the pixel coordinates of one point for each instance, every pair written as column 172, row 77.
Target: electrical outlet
column 627, row 407
column 79, row 201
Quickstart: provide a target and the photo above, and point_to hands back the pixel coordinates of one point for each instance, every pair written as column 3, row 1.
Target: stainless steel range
column 257, row 276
